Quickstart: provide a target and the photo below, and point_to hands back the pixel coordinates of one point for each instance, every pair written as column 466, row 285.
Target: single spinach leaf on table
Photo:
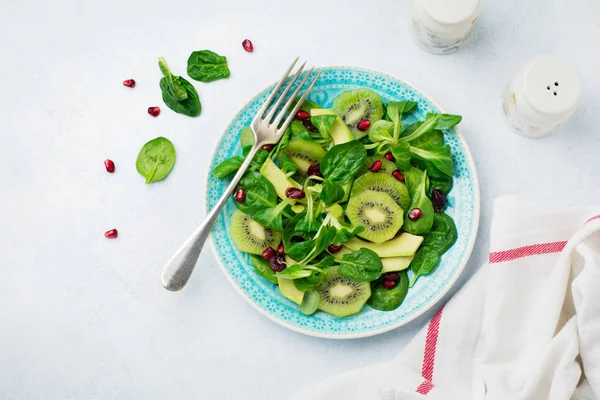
column 207, row 66
column 343, row 161
column 172, row 83
column 261, row 266
column 443, row 233
column 440, row 157
column 424, row 261
column 363, row 265
column 190, row 106
column 156, row 159
column 310, row 302
column 228, row 168
column 419, row 200
column 384, row 299
column 260, row 193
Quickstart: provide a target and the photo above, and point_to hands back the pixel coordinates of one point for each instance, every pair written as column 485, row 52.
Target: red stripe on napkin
column 429, row 353
column 526, row 251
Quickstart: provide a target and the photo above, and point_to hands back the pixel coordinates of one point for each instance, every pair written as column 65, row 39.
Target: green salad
column 347, row 209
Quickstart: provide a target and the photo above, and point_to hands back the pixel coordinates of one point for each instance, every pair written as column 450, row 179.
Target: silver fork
column 267, row 130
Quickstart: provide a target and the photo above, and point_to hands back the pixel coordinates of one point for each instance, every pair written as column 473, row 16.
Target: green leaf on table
column 228, row 168
column 207, row 66
column 172, row 83
column 156, row 159
column 384, row 299
column 261, row 266
column 177, row 93
column 363, row 265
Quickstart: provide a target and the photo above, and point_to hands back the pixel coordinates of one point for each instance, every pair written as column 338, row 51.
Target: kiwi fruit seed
column 387, row 167
column 303, row 153
column 357, row 105
column 381, row 182
column 251, row 237
column 341, row 296
column 378, row 213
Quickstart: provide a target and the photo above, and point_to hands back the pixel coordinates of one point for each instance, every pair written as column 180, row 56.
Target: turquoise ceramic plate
column 265, row 297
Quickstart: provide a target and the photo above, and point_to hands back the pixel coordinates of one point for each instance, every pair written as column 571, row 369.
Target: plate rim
column 435, row 300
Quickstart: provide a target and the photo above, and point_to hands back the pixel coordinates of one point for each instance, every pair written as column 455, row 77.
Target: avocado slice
column 289, row 290
column 403, row 245
column 278, row 179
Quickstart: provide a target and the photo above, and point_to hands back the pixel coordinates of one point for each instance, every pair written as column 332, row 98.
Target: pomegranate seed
column 415, row 214
column 391, row 276
column 376, row 166
column 297, row 239
column 438, row 198
column 398, row 175
column 154, row 111
column 129, row 83
column 240, row 196
column 294, row 193
column 281, row 249
column 111, row 234
column 388, row 284
column 267, row 147
column 302, row 115
column 333, row 248
column 314, row 170
column 269, row 253
column 248, row 46
column 363, row 125
column 277, row 263
column 309, row 125
column 109, row 165
column 390, row 156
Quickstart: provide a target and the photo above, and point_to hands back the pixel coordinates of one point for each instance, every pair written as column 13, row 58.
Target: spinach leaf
column 332, row 192
column 383, row 299
column 445, row 121
column 156, row 159
column 310, row 302
column 288, row 166
column 207, row 66
column 441, row 157
column 412, row 179
column 271, row 217
column 423, row 263
column 283, row 142
column 323, row 124
column 395, row 109
column 443, row 233
column 299, row 251
column 442, row 184
column 173, row 83
column 295, row 271
column 324, row 262
column 228, row 167
column 363, row 265
column 432, row 170
column 343, row 161
column 260, row 193
column 303, row 134
column 401, row 153
column 261, row 266
column 433, row 121
column 381, row 131
column 345, row 234
column 308, row 223
column 419, row 200
column 190, row 106
column 310, row 282
column 429, row 140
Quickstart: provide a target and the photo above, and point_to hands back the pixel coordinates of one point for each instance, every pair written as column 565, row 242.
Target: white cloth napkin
column 527, row 326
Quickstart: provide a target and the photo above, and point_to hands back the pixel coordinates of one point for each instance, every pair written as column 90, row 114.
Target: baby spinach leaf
column 432, row 170
column 309, row 221
column 345, row 234
column 261, row 266
column 310, row 302
column 332, row 192
column 442, row 184
column 172, row 83
column 381, row 131
column 429, row 140
column 420, row 200
column 401, row 153
column 445, row 121
column 412, row 179
column 324, row 262
column 228, row 167
column 395, row 109
column 303, row 134
column 156, row 159
column 271, row 217
column 310, row 282
column 384, row 299
column 207, row 66
column 260, row 193
column 443, row 233
column 343, row 161
column 299, row 251
column 190, row 106
column 295, row 271
column 433, row 121
column 323, row 124
column 441, row 157
column 363, row 265
column 423, row 263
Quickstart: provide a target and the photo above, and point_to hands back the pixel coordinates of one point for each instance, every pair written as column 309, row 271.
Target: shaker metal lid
column 552, row 85
column 451, row 11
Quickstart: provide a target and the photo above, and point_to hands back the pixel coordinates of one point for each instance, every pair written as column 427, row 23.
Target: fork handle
column 179, row 268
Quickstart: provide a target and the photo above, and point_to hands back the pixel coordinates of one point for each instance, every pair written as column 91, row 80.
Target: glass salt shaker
column 441, row 26
column 542, row 95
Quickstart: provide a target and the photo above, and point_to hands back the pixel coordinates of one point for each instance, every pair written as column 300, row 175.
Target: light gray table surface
column 84, row 317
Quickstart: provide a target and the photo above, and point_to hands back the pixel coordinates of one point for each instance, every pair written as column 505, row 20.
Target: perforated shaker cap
column 552, row 85
column 451, row 12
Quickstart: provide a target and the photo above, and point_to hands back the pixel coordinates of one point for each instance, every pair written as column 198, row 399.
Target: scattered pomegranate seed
column 111, row 234
column 240, row 196
column 269, row 253
column 415, row 214
column 267, row 147
column 248, row 46
column 309, row 125
column 277, row 263
column 314, row 170
column 154, row 111
column 302, row 115
column 391, row 276
column 363, row 125
column 281, row 249
column 109, row 165
column 390, row 156
column 333, row 248
column 438, row 199
column 129, row 83
column 294, row 193
column 388, row 284
column 398, row 175
column 376, row 166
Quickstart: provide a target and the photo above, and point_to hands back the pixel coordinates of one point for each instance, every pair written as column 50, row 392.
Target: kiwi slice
column 387, row 167
column 341, row 296
column 303, row 153
column 381, row 182
column 251, row 237
column 354, row 106
column 378, row 213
